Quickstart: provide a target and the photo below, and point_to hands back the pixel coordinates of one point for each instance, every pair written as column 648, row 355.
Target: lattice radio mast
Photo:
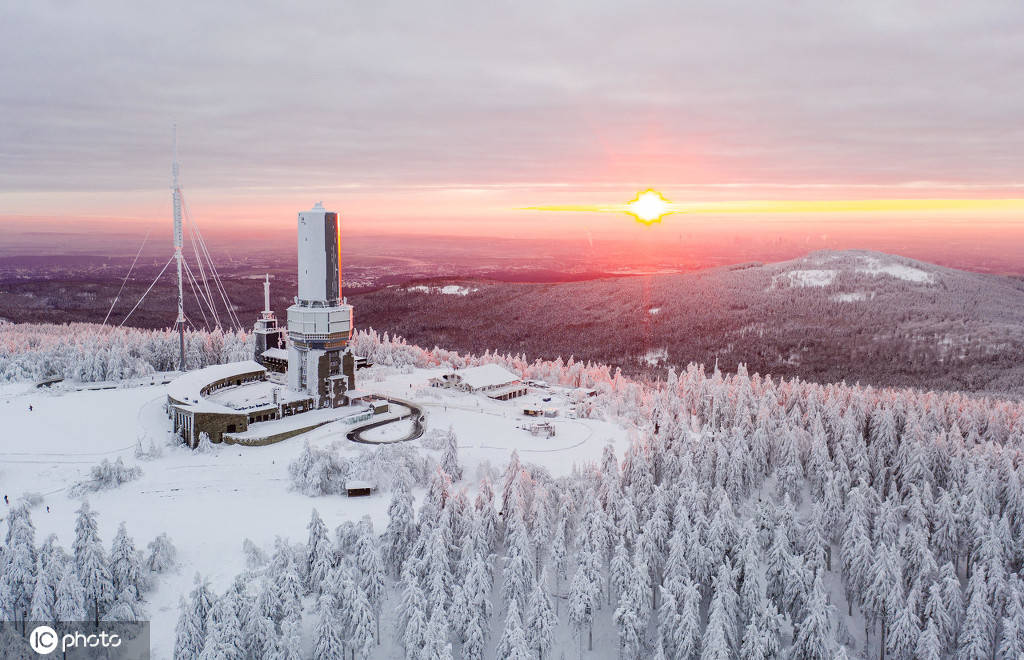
column 178, row 234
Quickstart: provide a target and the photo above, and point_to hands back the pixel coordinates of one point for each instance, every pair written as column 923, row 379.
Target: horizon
column 279, row 111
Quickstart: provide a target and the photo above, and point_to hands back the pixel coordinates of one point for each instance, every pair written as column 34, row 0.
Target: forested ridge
column 864, row 321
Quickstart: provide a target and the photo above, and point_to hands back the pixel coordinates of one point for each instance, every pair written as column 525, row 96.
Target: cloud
column 399, row 94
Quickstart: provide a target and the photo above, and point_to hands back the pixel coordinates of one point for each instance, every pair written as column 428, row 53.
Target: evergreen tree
column 372, row 575
column 583, row 598
column 513, row 642
column 884, row 592
column 413, row 617
column 437, row 644
column 191, row 632
column 929, row 646
column 401, row 530
column 450, row 457
column 70, row 602
column 688, row 634
column 125, row 563
column 91, row 564
column 904, row 630
column 361, row 623
column 162, row 555
column 540, row 620
column 814, row 638
column 289, row 646
column 18, row 566
column 319, row 554
column 720, row 637
column 43, row 597
column 261, row 641
column 975, row 642
column 223, row 632
column 329, row 641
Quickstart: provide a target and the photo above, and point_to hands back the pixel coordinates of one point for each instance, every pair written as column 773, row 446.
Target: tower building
column 320, row 321
column 269, row 340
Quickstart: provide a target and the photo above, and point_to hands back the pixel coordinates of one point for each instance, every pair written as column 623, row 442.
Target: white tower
column 319, row 323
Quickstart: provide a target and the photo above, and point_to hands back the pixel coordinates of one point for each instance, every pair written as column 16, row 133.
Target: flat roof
column 486, row 375
column 508, row 389
column 276, row 353
column 186, row 387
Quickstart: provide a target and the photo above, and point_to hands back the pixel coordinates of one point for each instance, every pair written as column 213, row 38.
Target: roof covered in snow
column 187, row 387
column 276, row 353
column 486, row 375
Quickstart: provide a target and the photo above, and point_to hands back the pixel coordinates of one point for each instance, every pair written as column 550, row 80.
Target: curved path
column 415, row 413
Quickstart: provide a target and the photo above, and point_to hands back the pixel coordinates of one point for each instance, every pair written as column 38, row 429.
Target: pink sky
column 449, row 119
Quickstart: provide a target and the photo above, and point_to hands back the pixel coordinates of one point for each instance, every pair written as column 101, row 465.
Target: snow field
column 208, row 503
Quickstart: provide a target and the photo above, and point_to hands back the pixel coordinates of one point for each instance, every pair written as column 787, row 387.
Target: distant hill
column 851, row 315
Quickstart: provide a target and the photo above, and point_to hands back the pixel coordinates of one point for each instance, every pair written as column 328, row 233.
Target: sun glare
column 649, row 206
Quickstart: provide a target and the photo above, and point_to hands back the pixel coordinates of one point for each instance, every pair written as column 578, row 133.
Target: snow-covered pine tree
column 929, row 646
column 319, row 554
column 513, row 642
column 360, row 623
column 289, row 587
column 223, row 632
column 189, row 635
column 436, row 643
column 43, row 597
column 328, row 638
column 976, row 636
column 540, row 620
column 372, row 575
column 18, row 566
column 260, row 637
column 125, row 563
column 70, row 602
column 904, row 629
column 884, row 592
column 619, row 569
column 92, row 564
column 191, row 631
column 518, row 576
column 583, row 597
column 450, row 457
column 401, row 530
column 289, row 644
column 412, row 614
column 162, row 555
column 815, row 637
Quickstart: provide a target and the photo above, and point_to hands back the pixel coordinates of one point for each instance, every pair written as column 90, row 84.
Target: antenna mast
column 176, row 195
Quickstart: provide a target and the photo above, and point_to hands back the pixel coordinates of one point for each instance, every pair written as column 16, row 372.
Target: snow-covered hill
column 853, row 315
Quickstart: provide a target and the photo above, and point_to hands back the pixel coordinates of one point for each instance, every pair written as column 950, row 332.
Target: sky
column 452, row 117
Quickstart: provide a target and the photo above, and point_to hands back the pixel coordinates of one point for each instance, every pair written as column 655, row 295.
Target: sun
column 649, row 207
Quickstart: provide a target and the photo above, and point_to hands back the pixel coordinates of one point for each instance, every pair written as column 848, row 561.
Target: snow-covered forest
column 751, row 518
column 48, row 584
column 88, row 352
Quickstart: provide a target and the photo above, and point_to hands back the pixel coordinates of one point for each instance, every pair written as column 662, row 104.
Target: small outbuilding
column 357, row 488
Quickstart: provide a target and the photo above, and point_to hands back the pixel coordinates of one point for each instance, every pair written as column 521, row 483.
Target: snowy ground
column 209, row 503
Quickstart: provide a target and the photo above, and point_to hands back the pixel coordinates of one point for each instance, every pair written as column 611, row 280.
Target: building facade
column 320, row 321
